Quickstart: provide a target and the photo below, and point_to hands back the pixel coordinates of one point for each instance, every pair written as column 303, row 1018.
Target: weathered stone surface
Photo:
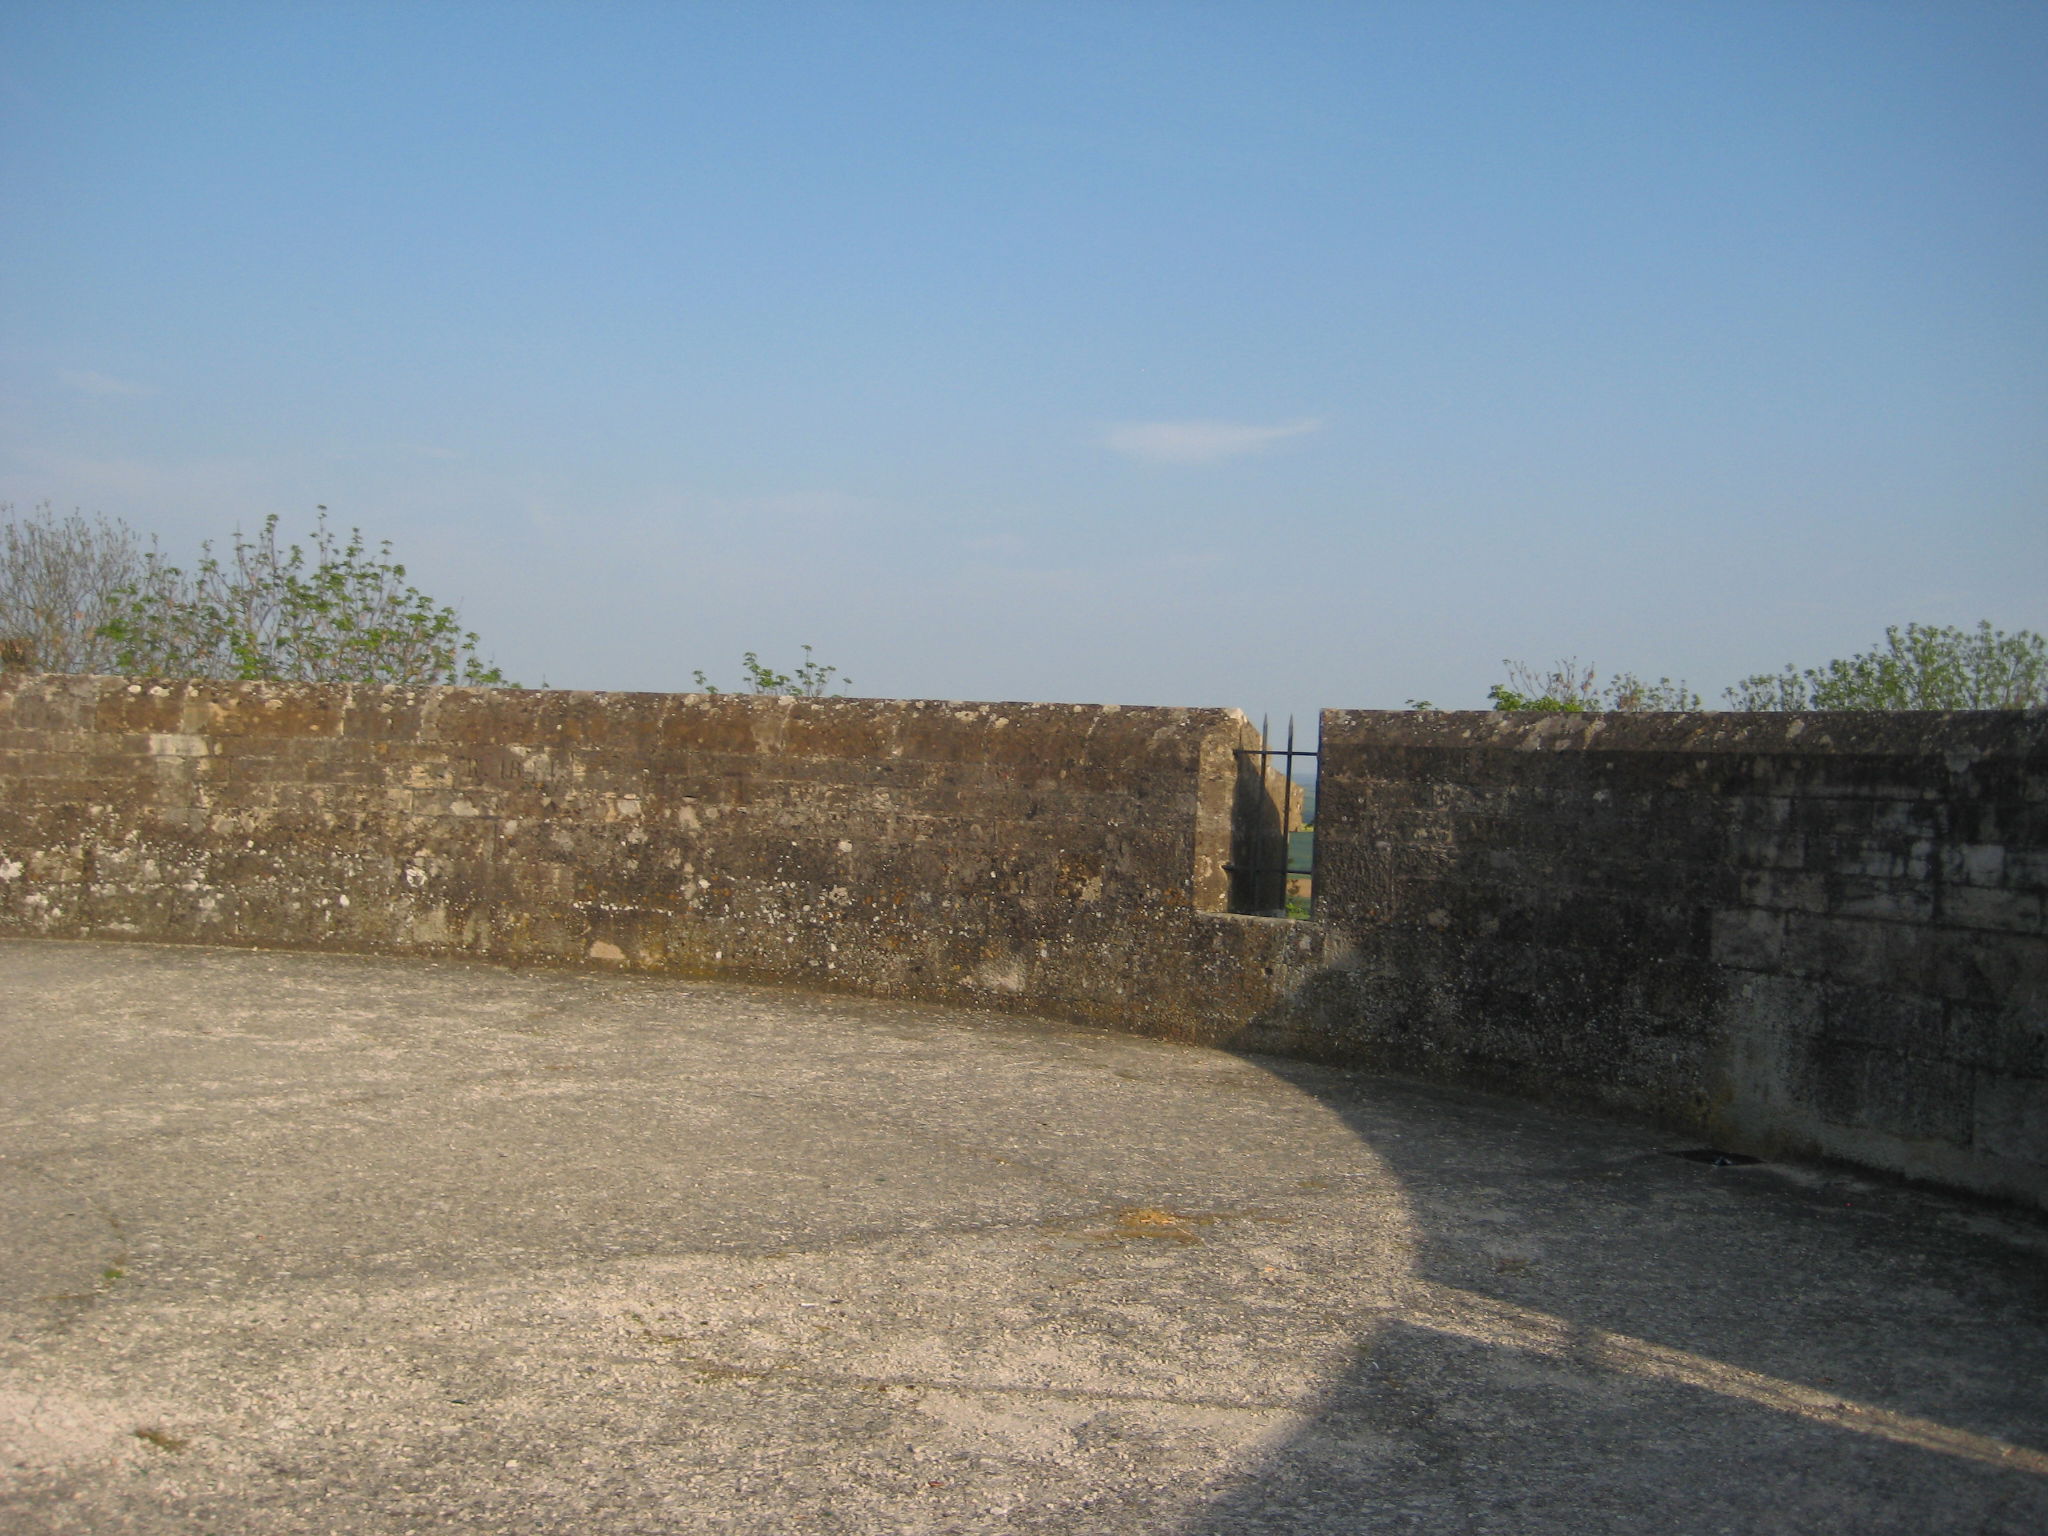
column 1065, row 859
column 1798, row 933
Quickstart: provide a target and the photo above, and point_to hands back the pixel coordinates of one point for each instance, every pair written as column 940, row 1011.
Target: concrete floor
column 299, row 1243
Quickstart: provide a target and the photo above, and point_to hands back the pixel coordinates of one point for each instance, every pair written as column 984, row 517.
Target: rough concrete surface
column 300, row 1243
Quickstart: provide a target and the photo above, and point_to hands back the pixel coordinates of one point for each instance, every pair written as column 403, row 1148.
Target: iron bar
column 1265, row 753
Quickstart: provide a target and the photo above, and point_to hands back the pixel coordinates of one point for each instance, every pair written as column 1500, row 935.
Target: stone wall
column 1792, row 933
column 1063, row 859
column 1787, row 934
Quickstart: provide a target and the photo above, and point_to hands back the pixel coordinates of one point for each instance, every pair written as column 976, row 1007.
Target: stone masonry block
column 2015, row 823
column 1748, row 939
column 1768, row 848
column 2011, row 1118
column 2006, row 911
column 1991, row 970
column 1882, row 822
column 1782, row 1006
column 1999, row 910
column 1782, row 890
column 2026, row 869
column 1973, row 863
column 1879, row 858
column 1890, row 897
column 1916, row 1098
column 2011, row 1040
column 1905, row 1022
column 1860, row 951
column 1827, row 1077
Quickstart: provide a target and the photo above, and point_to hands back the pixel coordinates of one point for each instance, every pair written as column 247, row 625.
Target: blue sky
column 1279, row 355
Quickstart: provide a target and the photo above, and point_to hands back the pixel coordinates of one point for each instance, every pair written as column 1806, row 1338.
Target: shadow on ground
column 300, row 1243
column 1604, row 1336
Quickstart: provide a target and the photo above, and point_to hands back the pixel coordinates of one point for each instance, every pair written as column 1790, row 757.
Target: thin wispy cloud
column 1201, row 442
column 104, row 385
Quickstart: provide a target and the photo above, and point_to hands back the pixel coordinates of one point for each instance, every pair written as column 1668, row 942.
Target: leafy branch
column 1569, row 688
column 811, row 680
column 343, row 614
column 1919, row 667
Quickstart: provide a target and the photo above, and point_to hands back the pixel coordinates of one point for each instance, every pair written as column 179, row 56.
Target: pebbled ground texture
column 331, row 1244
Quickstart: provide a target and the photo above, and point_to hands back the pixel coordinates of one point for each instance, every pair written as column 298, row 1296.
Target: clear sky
column 1272, row 354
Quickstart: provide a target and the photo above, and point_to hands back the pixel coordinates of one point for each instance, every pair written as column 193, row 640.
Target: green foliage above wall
column 1922, row 666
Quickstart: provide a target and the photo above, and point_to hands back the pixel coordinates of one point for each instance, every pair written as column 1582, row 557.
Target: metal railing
column 1262, row 866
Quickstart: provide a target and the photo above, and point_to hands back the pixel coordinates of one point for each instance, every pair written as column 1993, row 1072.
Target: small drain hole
column 1715, row 1157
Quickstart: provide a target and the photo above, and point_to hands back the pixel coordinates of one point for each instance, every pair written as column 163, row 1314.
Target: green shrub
column 1922, row 666
column 344, row 614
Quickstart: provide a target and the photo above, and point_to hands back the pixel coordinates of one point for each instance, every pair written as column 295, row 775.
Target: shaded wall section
column 1812, row 933
column 1061, row 859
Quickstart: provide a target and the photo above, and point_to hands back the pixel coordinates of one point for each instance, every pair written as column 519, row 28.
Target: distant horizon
column 1710, row 700
column 1282, row 356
